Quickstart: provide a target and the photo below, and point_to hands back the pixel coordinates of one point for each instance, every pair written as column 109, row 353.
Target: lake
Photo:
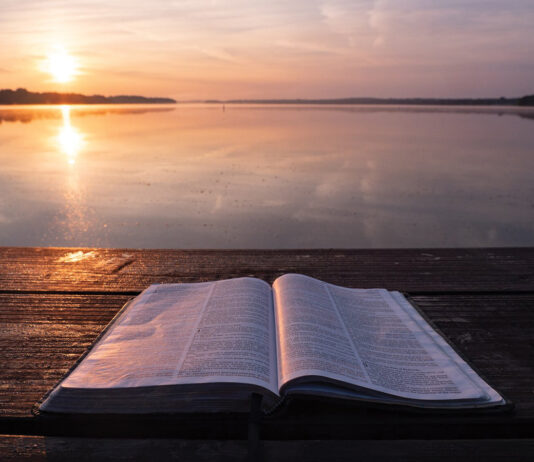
column 240, row 176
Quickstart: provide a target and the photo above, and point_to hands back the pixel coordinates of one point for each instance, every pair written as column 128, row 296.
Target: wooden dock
column 55, row 301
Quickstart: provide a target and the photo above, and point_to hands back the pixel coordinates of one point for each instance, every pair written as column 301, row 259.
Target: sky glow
column 199, row 49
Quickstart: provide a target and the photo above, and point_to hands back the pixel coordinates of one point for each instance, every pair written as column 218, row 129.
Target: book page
column 311, row 337
column 440, row 343
column 187, row 333
column 326, row 325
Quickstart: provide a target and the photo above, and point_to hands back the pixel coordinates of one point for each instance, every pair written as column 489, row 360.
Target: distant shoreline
column 522, row 101
column 22, row 96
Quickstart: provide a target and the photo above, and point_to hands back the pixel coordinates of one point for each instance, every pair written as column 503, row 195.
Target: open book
column 204, row 347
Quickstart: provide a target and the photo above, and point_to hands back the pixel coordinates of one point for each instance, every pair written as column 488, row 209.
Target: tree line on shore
column 23, row 96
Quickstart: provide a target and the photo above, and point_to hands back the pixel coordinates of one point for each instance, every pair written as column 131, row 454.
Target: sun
column 61, row 65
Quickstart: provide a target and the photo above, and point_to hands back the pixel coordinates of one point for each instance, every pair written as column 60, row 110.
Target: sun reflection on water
column 75, row 219
column 70, row 140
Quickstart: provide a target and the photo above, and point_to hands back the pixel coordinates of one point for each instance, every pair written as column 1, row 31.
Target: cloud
column 307, row 48
column 275, row 48
column 348, row 18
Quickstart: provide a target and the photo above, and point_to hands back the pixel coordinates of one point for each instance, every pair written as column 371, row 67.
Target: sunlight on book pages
column 208, row 346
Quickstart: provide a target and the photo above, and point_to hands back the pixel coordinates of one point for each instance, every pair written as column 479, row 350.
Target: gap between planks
column 414, row 293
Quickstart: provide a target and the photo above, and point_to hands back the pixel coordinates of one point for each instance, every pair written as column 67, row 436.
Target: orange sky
column 199, row 49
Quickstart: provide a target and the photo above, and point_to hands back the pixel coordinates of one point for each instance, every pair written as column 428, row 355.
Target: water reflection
column 77, row 218
column 69, row 139
column 73, row 221
column 27, row 114
column 520, row 111
column 269, row 177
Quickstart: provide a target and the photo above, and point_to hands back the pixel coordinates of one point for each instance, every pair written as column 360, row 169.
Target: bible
column 206, row 347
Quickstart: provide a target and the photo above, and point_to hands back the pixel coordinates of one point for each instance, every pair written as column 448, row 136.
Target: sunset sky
column 198, row 49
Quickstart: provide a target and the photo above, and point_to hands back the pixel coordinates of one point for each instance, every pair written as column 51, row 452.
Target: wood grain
column 54, row 302
column 42, row 336
column 35, row 448
column 127, row 270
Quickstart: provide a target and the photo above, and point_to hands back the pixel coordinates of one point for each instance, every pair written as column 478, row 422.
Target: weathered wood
column 54, row 302
column 15, row 448
column 68, row 269
column 42, row 335
column 496, row 333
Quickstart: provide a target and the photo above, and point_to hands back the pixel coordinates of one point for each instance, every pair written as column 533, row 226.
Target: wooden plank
column 37, row 448
column 127, row 270
column 53, row 303
column 43, row 335
column 495, row 332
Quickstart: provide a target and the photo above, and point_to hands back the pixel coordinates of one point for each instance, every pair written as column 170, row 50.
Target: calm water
column 266, row 177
